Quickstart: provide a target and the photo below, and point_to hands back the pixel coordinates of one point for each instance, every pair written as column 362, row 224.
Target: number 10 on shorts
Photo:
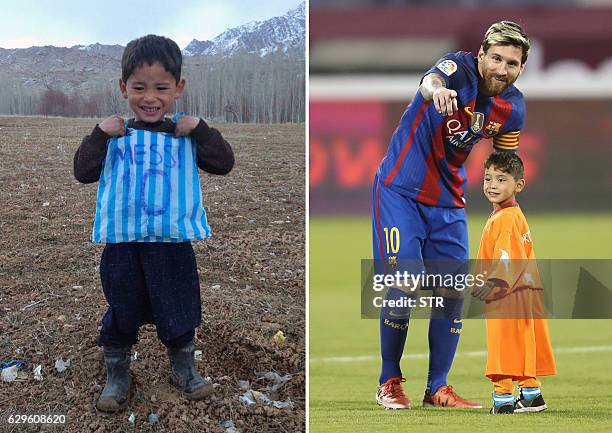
column 392, row 239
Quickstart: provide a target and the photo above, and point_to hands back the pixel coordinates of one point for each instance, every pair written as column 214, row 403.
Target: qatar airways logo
column 459, row 136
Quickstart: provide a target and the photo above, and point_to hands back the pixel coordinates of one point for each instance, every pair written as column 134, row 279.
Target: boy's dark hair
column 507, row 162
column 151, row 49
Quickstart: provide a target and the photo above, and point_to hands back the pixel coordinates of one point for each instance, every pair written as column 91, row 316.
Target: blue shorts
column 404, row 229
column 149, row 282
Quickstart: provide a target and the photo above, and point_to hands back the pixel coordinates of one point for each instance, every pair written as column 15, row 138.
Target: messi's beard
column 490, row 86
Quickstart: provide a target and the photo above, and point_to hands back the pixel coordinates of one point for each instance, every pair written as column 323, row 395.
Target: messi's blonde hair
column 507, row 33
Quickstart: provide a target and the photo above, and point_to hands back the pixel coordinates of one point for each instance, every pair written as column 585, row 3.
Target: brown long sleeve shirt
column 214, row 154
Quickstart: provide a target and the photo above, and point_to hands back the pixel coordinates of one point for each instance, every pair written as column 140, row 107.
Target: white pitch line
column 480, row 353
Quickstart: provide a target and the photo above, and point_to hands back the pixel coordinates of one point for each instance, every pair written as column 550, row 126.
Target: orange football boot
column 391, row 395
column 447, row 397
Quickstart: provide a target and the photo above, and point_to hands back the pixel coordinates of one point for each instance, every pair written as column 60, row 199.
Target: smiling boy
column 148, row 210
column 518, row 342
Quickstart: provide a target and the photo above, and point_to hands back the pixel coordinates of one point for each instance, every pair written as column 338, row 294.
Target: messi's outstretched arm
column 433, row 88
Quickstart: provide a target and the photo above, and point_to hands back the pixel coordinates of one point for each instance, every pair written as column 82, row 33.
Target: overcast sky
column 27, row 23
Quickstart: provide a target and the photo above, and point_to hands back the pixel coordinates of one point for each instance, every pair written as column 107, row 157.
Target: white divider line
column 480, row 353
column 403, row 87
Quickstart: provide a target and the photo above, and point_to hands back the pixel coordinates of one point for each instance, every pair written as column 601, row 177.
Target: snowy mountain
column 279, row 34
column 86, row 69
column 109, row 50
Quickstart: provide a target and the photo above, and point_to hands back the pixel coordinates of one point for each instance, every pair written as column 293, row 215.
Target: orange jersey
column 506, row 234
column 517, row 346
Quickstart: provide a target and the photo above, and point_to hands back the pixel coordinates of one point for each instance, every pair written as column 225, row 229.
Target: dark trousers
column 149, row 282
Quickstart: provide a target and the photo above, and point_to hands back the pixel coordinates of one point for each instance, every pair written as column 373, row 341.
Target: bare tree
column 242, row 88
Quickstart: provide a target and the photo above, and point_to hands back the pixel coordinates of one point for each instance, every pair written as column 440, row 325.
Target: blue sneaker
column 532, row 404
column 502, row 404
column 502, row 409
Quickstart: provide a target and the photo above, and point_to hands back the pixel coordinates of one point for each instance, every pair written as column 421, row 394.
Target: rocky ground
column 251, row 276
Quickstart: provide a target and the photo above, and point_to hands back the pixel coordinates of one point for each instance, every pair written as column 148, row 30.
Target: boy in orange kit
column 518, row 345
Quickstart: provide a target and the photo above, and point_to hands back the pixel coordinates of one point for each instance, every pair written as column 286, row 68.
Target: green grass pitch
column 341, row 390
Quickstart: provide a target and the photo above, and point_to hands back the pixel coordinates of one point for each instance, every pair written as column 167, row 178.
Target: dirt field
column 251, row 275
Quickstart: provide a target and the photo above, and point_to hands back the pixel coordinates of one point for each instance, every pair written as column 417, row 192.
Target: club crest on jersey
column 393, row 262
column 477, row 119
column 493, row 128
column 448, row 67
column 477, row 122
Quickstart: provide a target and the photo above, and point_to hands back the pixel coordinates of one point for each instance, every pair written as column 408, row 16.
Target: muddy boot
column 185, row 376
column 114, row 396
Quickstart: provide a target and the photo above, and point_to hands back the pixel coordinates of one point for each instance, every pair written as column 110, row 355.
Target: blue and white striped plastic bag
column 149, row 190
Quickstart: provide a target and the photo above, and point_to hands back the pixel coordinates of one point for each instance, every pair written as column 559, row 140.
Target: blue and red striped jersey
column 427, row 150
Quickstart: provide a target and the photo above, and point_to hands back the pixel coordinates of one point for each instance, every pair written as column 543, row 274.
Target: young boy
column 148, row 209
column 518, row 345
